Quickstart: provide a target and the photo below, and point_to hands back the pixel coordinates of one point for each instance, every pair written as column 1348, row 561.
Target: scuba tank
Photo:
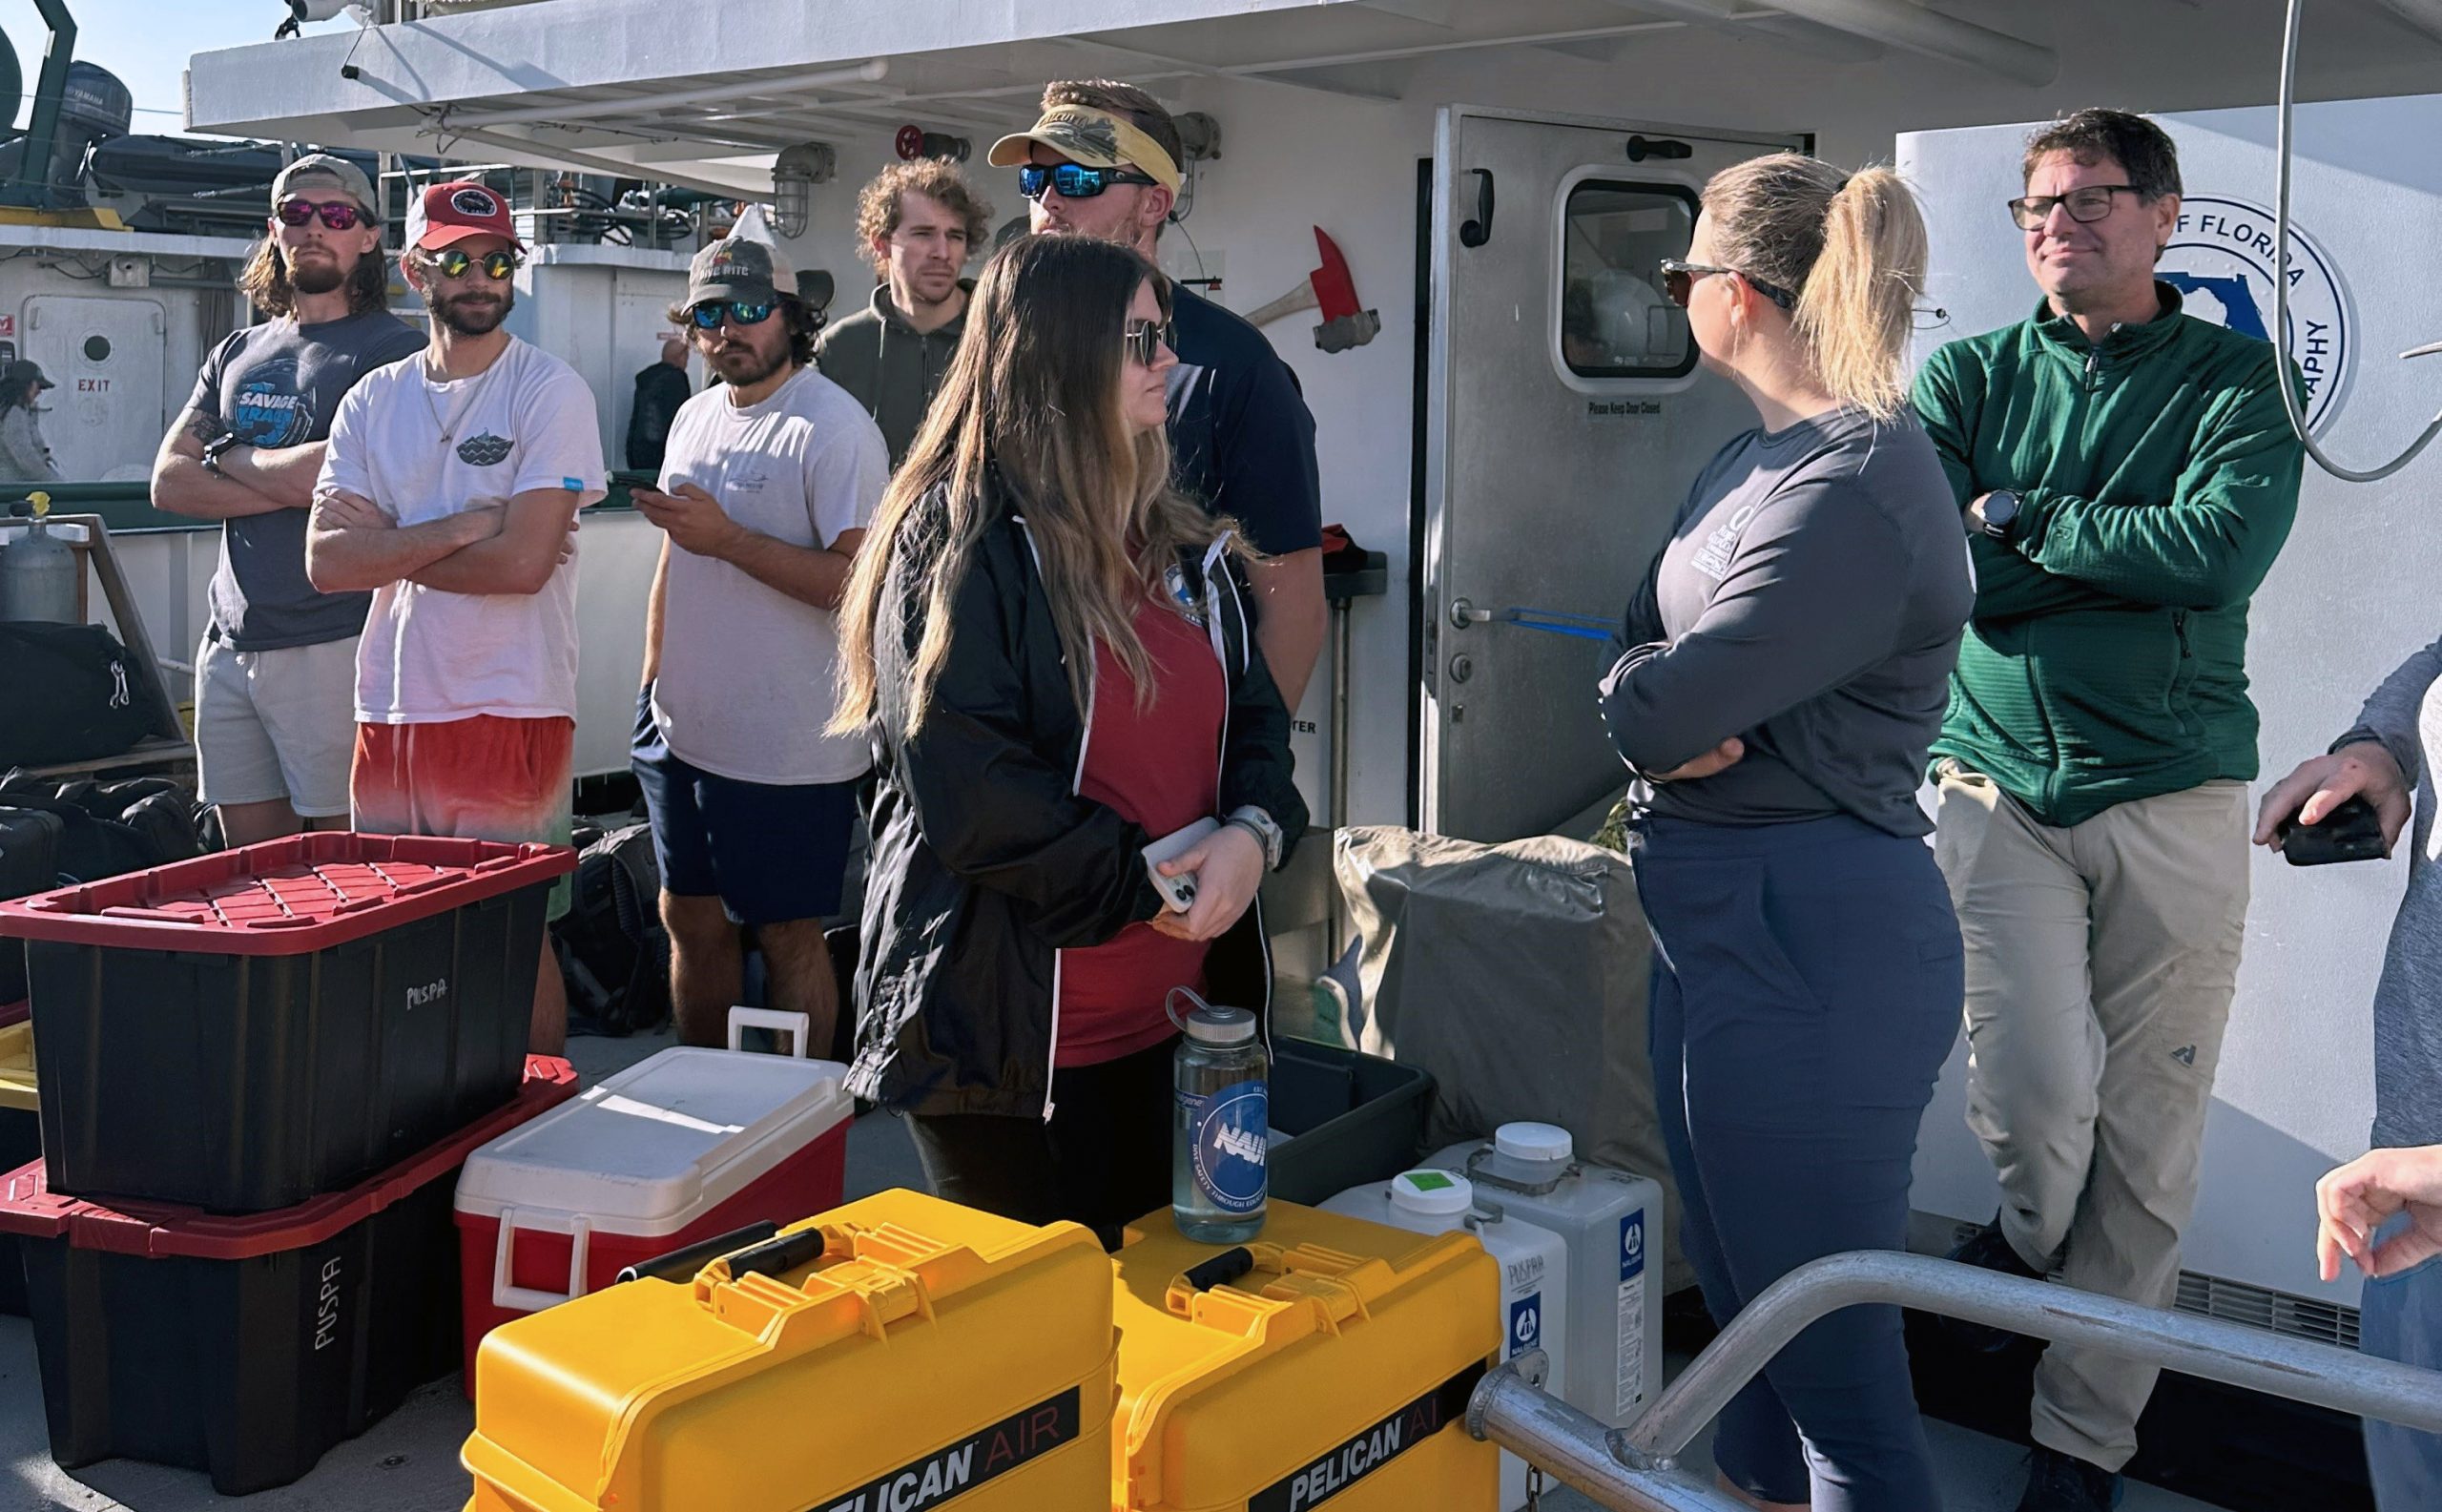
column 39, row 574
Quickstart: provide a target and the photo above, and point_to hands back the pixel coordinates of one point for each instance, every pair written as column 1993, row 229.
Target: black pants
column 1104, row 1159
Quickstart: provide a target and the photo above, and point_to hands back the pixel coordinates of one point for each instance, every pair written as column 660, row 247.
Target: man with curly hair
column 917, row 223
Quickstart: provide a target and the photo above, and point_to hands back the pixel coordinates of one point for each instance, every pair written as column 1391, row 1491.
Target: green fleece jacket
column 2106, row 659
column 890, row 367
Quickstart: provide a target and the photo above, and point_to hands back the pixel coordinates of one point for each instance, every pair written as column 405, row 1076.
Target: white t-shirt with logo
column 524, row 422
column 745, row 685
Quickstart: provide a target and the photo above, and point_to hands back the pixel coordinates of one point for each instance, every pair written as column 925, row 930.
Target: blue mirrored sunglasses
column 709, row 315
column 1073, row 181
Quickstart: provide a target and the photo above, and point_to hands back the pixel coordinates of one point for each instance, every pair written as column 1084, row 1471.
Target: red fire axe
column 1330, row 290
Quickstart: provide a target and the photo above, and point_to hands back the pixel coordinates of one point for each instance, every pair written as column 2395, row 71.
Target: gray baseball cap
column 741, row 268
column 323, row 171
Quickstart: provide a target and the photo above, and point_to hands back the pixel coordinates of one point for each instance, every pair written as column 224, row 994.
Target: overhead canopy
column 647, row 88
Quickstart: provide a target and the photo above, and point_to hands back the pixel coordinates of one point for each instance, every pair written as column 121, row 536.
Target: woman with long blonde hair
column 1790, row 662
column 1054, row 654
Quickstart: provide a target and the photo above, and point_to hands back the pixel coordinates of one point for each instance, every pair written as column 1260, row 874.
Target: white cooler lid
column 655, row 1147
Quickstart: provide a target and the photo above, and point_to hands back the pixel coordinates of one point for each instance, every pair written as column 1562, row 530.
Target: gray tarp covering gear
column 1517, row 975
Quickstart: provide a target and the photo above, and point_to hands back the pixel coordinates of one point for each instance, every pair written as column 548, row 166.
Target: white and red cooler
column 678, row 1148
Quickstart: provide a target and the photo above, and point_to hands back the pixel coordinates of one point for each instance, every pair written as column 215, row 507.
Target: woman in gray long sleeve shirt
column 1797, row 637
column 2389, row 757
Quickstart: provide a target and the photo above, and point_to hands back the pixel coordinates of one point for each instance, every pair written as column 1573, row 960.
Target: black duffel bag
column 614, row 953
column 70, row 694
column 28, row 864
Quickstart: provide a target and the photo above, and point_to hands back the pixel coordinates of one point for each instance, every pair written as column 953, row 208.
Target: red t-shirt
column 1160, row 766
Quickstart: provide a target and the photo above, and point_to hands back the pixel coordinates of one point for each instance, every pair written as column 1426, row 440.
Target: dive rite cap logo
column 474, row 203
column 2220, row 259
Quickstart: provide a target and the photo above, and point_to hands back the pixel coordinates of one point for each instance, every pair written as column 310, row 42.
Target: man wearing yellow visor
column 1104, row 163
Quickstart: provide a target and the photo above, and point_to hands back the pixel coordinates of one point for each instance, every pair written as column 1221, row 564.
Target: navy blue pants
column 1807, row 987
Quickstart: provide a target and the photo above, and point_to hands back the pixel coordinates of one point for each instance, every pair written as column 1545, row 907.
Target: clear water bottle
column 1218, row 1146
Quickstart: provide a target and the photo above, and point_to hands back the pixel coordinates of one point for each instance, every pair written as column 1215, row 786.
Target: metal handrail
column 1634, row 1469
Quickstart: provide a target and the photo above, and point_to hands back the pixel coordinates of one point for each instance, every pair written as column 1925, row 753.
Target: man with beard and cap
column 768, row 482
column 919, row 224
column 275, row 674
column 450, row 490
column 1104, row 162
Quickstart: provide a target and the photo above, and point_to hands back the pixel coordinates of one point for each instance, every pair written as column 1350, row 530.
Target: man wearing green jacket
column 919, row 222
column 2127, row 477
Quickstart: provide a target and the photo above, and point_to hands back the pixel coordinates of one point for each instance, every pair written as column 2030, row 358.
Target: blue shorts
column 772, row 853
column 2400, row 1319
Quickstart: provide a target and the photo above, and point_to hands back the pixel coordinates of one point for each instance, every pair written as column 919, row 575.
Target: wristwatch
column 226, row 441
column 2000, row 513
column 1259, row 824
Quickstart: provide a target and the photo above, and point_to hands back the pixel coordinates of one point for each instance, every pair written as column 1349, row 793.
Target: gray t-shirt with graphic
column 277, row 385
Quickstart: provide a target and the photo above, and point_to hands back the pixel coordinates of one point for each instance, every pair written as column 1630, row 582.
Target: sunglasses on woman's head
column 337, row 213
column 496, row 265
column 1145, row 340
column 1073, row 181
column 709, row 315
column 1679, row 283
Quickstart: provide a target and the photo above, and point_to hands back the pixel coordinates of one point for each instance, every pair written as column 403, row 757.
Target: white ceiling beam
column 1727, row 17
column 1599, row 52
column 1381, row 80
column 1431, row 12
column 1268, row 74
column 1930, row 33
column 529, row 150
column 585, row 109
column 2426, row 15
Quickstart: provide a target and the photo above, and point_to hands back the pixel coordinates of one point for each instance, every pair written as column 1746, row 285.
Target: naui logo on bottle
column 1527, row 1323
column 1231, row 1127
column 1632, row 1246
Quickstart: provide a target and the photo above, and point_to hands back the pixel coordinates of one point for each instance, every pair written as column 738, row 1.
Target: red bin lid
column 285, row 897
column 29, row 1209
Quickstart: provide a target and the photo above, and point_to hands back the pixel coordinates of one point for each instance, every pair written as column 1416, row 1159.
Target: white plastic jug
column 1607, row 1218
column 1534, row 1261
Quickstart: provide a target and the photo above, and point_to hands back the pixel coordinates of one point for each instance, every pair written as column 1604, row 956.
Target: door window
column 1614, row 318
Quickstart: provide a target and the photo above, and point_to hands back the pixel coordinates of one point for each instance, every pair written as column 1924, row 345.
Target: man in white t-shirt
column 450, row 488
column 767, row 484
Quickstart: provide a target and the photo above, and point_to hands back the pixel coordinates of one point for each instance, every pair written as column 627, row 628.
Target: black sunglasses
column 709, row 315
column 2086, row 205
column 496, row 265
column 1679, row 283
column 1145, row 340
column 337, row 213
column 1073, row 181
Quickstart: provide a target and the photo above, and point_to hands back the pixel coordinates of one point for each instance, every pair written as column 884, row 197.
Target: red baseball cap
column 453, row 212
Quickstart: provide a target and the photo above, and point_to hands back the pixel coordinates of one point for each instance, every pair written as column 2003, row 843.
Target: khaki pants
column 2100, row 960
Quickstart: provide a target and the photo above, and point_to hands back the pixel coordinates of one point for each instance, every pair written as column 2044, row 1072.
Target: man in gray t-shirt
column 2390, row 758
column 275, row 675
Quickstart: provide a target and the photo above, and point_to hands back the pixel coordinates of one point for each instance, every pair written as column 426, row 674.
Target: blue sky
column 147, row 42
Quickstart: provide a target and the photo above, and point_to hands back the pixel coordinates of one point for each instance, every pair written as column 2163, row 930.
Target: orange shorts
column 477, row 778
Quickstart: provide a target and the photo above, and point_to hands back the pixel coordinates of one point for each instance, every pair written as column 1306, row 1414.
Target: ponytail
column 1852, row 246
column 1856, row 308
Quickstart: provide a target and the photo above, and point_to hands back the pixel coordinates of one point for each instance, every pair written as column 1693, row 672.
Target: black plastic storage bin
column 246, row 1347
column 1349, row 1118
column 257, row 1027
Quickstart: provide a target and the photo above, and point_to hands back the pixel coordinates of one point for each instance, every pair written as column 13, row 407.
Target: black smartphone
column 2352, row 832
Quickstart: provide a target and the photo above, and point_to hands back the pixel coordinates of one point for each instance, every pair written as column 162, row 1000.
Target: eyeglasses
column 496, row 265
column 1073, row 181
column 337, row 213
column 709, row 315
column 2085, row 204
column 1679, row 283
column 1145, row 340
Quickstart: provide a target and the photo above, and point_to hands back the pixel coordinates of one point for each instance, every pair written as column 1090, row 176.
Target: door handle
column 1478, row 230
column 1640, row 148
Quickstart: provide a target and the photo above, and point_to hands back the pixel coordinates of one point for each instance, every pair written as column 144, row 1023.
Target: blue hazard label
column 1632, row 1244
column 1527, row 1323
column 1230, row 1129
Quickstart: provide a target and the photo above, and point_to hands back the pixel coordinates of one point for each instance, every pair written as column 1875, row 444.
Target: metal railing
column 1635, row 1469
